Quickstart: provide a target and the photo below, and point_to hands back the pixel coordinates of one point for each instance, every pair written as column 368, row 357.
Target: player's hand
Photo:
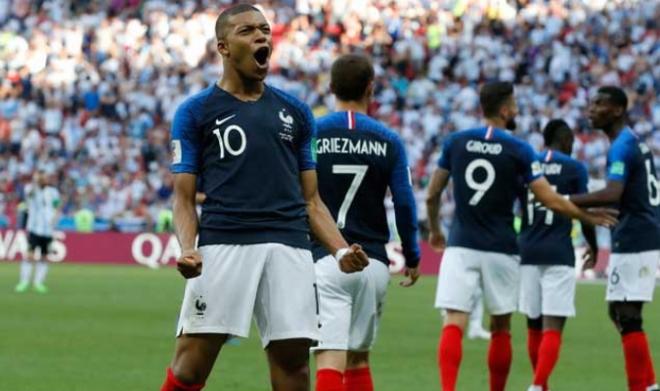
column 189, row 264
column 437, row 241
column 354, row 260
column 412, row 274
column 605, row 217
column 589, row 259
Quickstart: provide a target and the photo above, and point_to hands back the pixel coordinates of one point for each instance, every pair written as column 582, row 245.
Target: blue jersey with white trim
column 630, row 161
column 358, row 158
column 249, row 156
column 488, row 167
column 545, row 238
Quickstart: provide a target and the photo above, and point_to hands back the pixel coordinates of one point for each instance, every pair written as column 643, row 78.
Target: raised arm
column 557, row 203
column 325, row 229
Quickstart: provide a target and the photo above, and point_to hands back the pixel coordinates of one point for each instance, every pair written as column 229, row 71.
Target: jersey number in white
column 532, row 204
column 480, row 187
column 359, row 171
column 652, row 182
column 223, row 140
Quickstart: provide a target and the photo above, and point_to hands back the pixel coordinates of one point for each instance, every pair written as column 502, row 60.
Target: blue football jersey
column 357, row 160
column 630, row 161
column 488, row 167
column 545, row 238
column 249, row 156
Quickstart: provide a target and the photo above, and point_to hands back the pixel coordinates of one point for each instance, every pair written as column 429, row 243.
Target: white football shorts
column 350, row 305
column 547, row 290
column 463, row 269
column 631, row 276
column 271, row 281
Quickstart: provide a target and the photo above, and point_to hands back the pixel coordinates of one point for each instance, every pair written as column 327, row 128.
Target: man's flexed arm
column 186, row 224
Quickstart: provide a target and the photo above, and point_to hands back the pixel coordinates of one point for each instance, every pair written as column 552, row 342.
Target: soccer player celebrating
column 547, row 275
column 487, row 166
column 632, row 184
column 251, row 145
column 43, row 205
column 358, row 159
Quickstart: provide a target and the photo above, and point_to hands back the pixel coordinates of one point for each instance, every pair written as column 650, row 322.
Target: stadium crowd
column 88, row 88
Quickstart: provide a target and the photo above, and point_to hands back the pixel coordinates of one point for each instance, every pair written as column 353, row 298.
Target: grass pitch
column 111, row 328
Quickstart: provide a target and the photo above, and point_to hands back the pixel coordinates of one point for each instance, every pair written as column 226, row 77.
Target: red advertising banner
column 155, row 250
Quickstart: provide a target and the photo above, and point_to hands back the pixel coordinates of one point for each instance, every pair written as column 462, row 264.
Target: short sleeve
column 617, row 164
column 306, row 153
column 530, row 165
column 444, row 161
column 185, row 141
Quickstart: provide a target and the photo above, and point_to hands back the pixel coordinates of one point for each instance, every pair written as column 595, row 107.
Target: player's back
column 631, row 161
column 357, row 160
column 545, row 236
column 488, row 167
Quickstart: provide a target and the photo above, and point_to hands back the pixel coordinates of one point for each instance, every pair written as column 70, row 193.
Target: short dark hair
column 555, row 129
column 493, row 95
column 615, row 95
column 350, row 76
column 223, row 18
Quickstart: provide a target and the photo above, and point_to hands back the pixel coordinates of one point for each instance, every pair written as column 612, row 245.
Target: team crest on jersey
column 286, row 133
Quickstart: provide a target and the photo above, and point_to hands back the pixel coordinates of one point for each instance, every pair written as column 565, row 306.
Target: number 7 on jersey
column 359, row 171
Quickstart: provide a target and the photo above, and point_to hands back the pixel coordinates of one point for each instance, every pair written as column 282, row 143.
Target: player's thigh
column 287, row 303
column 460, row 273
column 368, row 303
column 221, row 300
column 501, row 279
column 558, row 285
column 335, row 301
column 530, row 300
column 631, row 276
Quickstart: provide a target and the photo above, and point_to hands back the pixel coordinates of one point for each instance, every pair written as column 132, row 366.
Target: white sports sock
column 477, row 314
column 40, row 273
column 26, row 271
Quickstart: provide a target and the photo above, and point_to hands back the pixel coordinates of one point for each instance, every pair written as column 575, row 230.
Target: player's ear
column 223, row 47
column 370, row 90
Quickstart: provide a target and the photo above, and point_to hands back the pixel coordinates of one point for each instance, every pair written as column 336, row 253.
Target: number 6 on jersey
column 359, row 171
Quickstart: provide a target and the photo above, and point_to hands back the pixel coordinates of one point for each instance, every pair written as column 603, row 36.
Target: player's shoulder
column 297, row 106
column 568, row 161
column 371, row 125
column 197, row 101
column 334, row 120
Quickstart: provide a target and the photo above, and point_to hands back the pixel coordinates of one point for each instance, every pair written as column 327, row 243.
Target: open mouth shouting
column 261, row 56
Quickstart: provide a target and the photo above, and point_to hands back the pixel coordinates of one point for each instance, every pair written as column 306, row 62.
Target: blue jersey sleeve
column 405, row 208
column 531, row 166
column 617, row 162
column 306, row 157
column 583, row 179
column 185, row 140
column 444, row 160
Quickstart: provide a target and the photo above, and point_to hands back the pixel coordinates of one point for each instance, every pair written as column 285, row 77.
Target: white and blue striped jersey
column 42, row 204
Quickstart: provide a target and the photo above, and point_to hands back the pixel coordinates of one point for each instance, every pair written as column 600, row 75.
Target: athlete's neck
column 241, row 88
column 356, row 106
column 496, row 122
column 612, row 131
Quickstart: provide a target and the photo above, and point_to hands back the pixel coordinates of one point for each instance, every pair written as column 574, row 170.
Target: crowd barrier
column 157, row 250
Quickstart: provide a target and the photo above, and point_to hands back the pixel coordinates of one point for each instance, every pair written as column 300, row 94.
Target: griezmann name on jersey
column 631, row 162
column 249, row 156
column 357, row 160
column 488, row 167
column 545, row 238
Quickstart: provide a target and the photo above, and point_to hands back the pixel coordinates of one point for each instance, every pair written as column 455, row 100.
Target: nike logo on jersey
column 219, row 122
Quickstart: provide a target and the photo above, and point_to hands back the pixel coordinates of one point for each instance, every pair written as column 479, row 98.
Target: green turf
column 111, row 328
